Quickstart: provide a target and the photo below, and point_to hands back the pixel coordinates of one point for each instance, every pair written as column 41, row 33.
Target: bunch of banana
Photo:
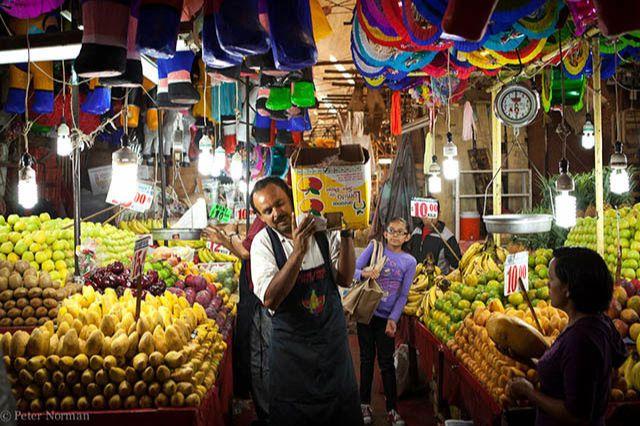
column 207, row 256
column 428, row 302
column 482, row 258
column 630, row 370
column 138, row 226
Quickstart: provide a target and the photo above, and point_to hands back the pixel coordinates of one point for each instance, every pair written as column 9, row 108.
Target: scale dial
column 516, row 105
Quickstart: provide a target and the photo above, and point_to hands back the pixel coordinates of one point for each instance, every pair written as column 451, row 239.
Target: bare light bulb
column 219, row 161
column 124, row 175
column 588, row 134
column 619, row 181
column 64, row 147
column 235, row 169
column 450, row 165
column 565, row 210
column 205, row 157
column 434, row 182
column 27, row 184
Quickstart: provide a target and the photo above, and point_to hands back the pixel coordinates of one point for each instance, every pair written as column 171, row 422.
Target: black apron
column 312, row 381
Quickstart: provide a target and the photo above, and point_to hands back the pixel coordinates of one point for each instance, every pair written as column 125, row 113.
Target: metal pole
column 597, row 124
column 75, row 165
column 163, row 170
column 247, row 145
column 496, row 163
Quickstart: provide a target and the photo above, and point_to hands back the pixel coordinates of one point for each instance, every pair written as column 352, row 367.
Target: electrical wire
column 450, row 97
column 564, row 136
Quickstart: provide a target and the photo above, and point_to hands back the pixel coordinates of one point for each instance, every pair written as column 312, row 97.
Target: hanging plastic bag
column 240, row 33
column 291, row 34
column 212, row 53
column 396, row 113
column 158, row 27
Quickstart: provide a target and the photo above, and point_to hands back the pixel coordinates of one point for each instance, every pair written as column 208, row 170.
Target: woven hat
column 104, row 38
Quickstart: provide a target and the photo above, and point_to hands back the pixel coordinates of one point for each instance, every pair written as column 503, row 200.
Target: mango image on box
column 334, row 183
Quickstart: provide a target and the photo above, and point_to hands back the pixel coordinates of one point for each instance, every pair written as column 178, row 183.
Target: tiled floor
column 415, row 408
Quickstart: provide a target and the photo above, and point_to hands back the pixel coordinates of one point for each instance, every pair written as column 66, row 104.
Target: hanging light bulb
column 236, row 169
column 219, row 161
column 588, row 133
column 205, row 157
column 63, row 143
column 27, row 184
column 124, row 173
column 450, row 167
column 434, row 181
column 619, row 179
column 565, row 203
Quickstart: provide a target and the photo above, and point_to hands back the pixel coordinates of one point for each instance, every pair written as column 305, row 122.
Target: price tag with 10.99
column 516, row 266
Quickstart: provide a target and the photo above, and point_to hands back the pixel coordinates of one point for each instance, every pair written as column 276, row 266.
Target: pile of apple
column 626, row 220
column 118, row 277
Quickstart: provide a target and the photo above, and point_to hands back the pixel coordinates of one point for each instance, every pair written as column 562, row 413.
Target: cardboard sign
column 139, row 255
column 222, row 214
column 334, row 183
column 516, row 266
column 424, row 207
column 141, row 202
column 215, row 247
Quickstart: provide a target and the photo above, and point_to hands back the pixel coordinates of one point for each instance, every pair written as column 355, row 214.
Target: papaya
column 513, row 335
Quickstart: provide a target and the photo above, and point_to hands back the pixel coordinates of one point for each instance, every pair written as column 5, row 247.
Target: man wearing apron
column 295, row 272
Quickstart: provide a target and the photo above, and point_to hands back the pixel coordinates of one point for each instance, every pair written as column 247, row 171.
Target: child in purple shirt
column 378, row 336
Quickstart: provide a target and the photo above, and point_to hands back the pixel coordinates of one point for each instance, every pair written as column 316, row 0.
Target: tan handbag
column 363, row 298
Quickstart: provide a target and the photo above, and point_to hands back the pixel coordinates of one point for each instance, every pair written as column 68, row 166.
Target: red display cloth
column 428, row 348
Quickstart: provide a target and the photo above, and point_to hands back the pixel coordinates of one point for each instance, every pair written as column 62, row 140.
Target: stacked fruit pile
column 482, row 259
column 475, row 349
column 118, row 277
column 140, row 227
column 218, row 306
column 207, row 256
column 628, row 238
column 29, row 297
column 164, row 270
column 100, row 358
column 113, row 244
column 427, row 277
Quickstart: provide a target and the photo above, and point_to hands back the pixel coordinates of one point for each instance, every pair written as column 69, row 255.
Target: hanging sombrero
column 431, row 10
column 393, row 15
column 509, row 11
column 575, row 61
column 383, row 35
column 506, row 41
column 480, row 59
column 551, row 95
column 438, row 67
column 526, row 54
column 420, row 30
column 373, row 54
column 411, row 61
column 541, row 23
column 363, row 68
column 375, row 83
column 461, row 69
column 29, row 9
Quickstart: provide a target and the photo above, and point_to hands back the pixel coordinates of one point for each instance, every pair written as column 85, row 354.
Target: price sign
column 222, row 214
column 516, row 266
column 141, row 200
column 215, row 247
column 139, row 255
column 424, row 207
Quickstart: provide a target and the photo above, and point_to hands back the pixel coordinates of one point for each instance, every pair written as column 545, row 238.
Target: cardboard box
column 334, row 183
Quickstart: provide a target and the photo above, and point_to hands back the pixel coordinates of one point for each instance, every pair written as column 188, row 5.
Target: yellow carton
column 334, row 183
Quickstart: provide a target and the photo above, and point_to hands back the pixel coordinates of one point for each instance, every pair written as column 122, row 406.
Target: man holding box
column 295, row 272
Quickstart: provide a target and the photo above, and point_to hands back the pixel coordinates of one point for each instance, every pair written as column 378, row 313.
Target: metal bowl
column 518, row 223
column 168, row 234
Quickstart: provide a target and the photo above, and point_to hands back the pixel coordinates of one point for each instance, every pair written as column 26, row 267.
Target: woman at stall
column 575, row 373
column 395, row 278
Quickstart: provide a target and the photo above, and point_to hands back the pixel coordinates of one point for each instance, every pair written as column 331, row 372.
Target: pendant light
column 64, row 147
column 588, row 139
column 236, row 169
column 434, row 182
column 27, row 184
column 219, row 161
column 205, row 156
column 565, row 202
column 619, row 179
column 124, row 172
column 450, row 165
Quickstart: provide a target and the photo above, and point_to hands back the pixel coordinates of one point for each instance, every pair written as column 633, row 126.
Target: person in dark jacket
column 425, row 241
column 575, row 373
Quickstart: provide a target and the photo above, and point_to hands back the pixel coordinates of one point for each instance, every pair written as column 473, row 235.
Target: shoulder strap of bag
column 278, row 250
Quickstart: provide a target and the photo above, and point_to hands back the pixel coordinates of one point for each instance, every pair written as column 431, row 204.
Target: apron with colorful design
column 312, row 381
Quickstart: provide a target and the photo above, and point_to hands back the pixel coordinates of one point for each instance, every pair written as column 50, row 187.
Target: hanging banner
column 424, row 207
column 516, row 266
